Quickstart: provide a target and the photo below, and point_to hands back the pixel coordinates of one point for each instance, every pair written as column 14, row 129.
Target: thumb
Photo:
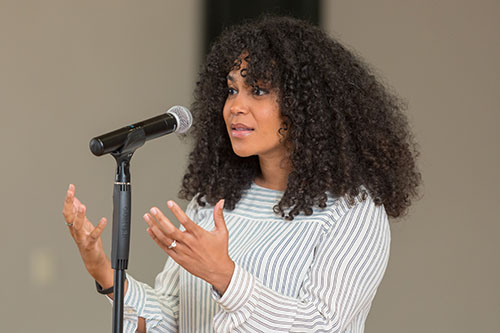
column 220, row 223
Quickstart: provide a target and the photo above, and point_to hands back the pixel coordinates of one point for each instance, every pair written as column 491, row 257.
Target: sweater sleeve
column 158, row 305
column 349, row 264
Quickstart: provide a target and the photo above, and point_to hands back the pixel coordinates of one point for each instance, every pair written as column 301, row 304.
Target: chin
column 241, row 152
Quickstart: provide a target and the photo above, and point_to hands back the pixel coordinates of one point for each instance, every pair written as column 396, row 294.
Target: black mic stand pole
column 121, row 221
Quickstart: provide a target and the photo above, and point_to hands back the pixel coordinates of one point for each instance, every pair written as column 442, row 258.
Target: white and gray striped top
column 317, row 273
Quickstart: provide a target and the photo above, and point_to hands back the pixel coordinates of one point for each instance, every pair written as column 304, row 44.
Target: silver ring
column 174, row 244
column 69, row 224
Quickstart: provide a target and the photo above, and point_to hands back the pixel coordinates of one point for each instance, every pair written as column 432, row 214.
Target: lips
column 241, row 127
column 240, row 130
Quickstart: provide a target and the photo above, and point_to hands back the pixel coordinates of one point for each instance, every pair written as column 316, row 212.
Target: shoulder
column 343, row 210
column 198, row 213
column 258, row 203
column 361, row 213
column 193, row 208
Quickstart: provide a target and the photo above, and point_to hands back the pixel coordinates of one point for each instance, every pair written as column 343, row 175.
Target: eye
column 231, row 91
column 259, row 91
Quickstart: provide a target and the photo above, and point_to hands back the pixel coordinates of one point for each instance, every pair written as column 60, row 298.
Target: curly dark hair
column 343, row 127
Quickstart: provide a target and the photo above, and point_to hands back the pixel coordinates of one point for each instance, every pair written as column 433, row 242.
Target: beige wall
column 70, row 70
column 442, row 56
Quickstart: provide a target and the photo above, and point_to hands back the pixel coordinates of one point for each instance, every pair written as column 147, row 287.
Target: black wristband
column 104, row 291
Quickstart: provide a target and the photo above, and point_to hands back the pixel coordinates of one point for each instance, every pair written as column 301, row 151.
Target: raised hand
column 202, row 253
column 88, row 239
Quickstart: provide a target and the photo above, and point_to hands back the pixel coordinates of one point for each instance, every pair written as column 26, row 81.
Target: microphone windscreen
column 183, row 116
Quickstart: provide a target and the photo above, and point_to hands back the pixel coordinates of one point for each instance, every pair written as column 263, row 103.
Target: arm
column 156, row 309
column 159, row 306
column 349, row 265
column 88, row 239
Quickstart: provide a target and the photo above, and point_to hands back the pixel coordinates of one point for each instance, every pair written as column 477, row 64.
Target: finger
column 76, row 204
column 68, row 211
column 170, row 251
column 149, row 220
column 96, row 233
column 182, row 217
column 161, row 239
column 219, row 222
column 70, row 193
column 80, row 218
column 71, row 190
column 152, row 224
column 165, row 225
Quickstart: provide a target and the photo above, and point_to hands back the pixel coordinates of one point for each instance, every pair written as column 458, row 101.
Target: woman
column 300, row 156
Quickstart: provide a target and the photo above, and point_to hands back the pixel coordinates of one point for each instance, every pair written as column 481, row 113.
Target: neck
column 274, row 173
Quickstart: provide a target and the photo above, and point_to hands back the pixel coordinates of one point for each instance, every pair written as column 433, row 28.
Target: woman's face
column 252, row 118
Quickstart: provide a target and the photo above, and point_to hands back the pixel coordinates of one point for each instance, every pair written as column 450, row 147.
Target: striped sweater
column 317, row 273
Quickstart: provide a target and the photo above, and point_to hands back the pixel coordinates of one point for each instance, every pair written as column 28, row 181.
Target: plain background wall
column 442, row 56
column 70, row 70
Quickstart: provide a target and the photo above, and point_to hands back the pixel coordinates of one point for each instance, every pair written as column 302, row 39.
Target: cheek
column 225, row 113
column 273, row 123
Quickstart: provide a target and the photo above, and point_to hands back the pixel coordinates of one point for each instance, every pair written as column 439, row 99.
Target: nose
column 238, row 105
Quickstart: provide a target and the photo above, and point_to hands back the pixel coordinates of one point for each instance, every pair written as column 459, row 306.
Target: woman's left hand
column 202, row 253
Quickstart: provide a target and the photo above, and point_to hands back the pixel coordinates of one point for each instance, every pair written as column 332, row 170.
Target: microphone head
column 183, row 117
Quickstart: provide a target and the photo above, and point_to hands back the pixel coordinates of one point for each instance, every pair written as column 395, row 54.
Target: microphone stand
column 121, row 220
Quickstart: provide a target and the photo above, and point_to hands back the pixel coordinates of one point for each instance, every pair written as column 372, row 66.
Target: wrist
column 103, row 274
column 223, row 278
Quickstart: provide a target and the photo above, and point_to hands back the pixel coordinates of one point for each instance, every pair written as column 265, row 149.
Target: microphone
column 176, row 119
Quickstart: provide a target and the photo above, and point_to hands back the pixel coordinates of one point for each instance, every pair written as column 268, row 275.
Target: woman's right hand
column 88, row 239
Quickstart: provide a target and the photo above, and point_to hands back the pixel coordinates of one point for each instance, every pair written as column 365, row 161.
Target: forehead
column 255, row 69
column 236, row 74
column 240, row 64
column 242, row 70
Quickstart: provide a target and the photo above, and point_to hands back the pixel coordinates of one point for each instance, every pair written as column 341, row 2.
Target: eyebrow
column 230, row 78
